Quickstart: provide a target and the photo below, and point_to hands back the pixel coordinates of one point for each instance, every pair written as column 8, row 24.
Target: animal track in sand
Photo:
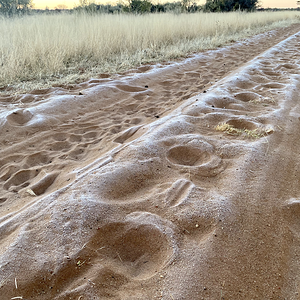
column 120, row 252
column 139, row 97
column 60, row 146
column 242, row 124
column 85, row 128
column 11, row 159
column 75, row 138
column 42, row 91
column 244, row 84
column 103, row 75
column 135, row 121
column 90, row 135
column 74, row 146
column 8, row 171
column 193, row 74
column 194, row 157
column 2, row 200
column 291, row 210
column 287, row 66
column 137, row 250
column 20, row 179
column 178, row 192
column 143, row 69
column 166, row 83
column 272, row 74
column 273, row 85
column 265, row 63
column 42, row 185
column 130, row 89
column 198, row 229
column 127, row 134
column 59, row 137
column 8, row 99
column 37, row 159
column 188, row 155
column 19, row 117
column 221, row 102
column 247, row 96
column 77, row 153
column 109, row 282
column 260, row 79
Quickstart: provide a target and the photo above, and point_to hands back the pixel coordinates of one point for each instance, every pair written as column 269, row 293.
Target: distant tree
column 87, row 6
column 157, row 8
column 12, row 7
column 230, row 5
column 141, row 6
column 138, row 6
column 173, row 7
column 189, row 6
column 83, row 3
column 61, row 6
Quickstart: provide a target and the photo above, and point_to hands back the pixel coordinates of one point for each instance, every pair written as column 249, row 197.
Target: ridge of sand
column 131, row 208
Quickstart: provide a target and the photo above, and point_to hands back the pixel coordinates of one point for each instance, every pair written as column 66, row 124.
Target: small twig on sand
column 119, row 257
column 90, row 281
column 267, row 142
column 83, row 245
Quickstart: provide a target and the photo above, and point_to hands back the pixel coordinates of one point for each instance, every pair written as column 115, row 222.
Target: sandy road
column 126, row 207
column 64, row 128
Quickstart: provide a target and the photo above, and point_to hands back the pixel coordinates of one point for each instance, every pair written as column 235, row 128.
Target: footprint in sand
column 135, row 249
column 20, row 179
column 242, row 124
column 127, row 134
column 247, row 96
column 178, row 192
column 130, row 89
column 43, row 184
column 291, row 210
column 193, row 156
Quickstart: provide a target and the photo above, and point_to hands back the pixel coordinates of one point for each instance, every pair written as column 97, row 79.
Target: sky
column 42, row 4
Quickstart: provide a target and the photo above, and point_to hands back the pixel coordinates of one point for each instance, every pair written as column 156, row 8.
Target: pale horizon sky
column 42, row 4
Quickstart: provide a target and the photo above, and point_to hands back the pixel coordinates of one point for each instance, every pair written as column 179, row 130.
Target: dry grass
column 37, row 51
column 263, row 101
column 253, row 134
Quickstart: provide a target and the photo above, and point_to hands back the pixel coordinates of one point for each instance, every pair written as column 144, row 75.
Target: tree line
column 146, row 6
column 14, row 7
column 17, row 7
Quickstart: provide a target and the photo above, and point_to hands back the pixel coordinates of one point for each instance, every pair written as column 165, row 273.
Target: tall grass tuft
column 43, row 49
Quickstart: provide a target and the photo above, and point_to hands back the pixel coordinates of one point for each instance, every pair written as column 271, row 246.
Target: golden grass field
column 41, row 50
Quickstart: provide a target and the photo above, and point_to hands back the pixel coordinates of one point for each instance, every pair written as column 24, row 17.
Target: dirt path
column 124, row 189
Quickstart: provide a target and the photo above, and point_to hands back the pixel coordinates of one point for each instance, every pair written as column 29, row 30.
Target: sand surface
column 122, row 188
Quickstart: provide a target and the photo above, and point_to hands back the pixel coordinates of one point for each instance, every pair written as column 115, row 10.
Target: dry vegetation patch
column 247, row 133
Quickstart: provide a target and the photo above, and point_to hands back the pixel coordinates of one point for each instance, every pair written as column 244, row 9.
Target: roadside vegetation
column 40, row 50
